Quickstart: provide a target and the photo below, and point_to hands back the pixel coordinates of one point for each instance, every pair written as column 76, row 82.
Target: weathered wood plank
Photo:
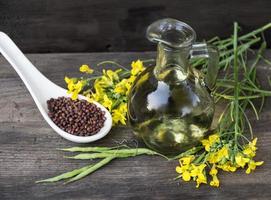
column 28, row 149
column 119, row 25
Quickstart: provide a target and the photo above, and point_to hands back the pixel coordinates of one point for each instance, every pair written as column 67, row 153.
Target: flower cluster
column 217, row 154
column 189, row 170
column 110, row 89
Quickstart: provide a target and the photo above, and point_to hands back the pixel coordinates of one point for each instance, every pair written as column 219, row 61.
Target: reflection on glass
column 170, row 106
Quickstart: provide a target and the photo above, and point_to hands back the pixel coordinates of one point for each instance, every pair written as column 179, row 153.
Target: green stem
column 148, row 60
column 255, row 32
column 242, row 50
column 188, row 152
column 227, row 85
column 199, row 159
column 236, row 83
column 125, row 74
column 212, row 40
column 229, row 97
column 112, row 63
column 93, row 78
column 250, row 34
column 258, row 55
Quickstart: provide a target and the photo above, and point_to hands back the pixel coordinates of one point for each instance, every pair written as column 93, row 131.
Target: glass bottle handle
column 202, row 50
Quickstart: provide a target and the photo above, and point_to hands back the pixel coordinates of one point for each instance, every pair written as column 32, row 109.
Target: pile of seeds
column 77, row 117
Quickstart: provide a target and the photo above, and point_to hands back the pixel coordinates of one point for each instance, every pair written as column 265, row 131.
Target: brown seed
column 77, row 117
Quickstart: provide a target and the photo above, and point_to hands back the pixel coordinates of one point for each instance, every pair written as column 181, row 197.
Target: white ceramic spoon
column 43, row 89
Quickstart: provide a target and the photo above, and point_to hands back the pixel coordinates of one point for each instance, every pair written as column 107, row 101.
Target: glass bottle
column 170, row 105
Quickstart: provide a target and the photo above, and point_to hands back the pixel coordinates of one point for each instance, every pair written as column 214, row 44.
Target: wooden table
column 28, row 148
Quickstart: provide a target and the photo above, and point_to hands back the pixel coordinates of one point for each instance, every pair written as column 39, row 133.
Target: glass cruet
column 170, row 105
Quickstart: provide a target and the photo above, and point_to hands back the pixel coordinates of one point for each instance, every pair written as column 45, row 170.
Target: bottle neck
column 171, row 63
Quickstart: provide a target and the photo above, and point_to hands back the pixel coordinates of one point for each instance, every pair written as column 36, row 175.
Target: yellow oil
column 170, row 115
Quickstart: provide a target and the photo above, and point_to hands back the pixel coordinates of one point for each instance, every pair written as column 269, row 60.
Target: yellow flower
column 74, row 88
column 208, row 143
column 129, row 84
column 131, row 79
column 70, row 84
column 198, row 173
column 212, row 158
column 253, row 143
column 89, row 99
column 201, row 179
column 86, row 69
column 197, row 170
column 213, row 171
column 228, row 167
column 214, row 182
column 214, row 138
column 121, row 88
column 216, row 157
column 223, row 152
column 99, row 93
column 68, row 80
column 137, row 67
column 105, row 92
column 179, row 170
column 241, row 160
column 74, row 96
column 186, row 160
column 117, row 116
column 107, row 102
column 105, row 81
column 79, row 85
column 77, row 89
column 182, row 169
column 112, row 75
column 184, row 164
column 186, row 176
column 250, row 149
column 252, row 165
column 123, row 108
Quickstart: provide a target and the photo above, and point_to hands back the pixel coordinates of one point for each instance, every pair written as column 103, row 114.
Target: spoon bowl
column 42, row 89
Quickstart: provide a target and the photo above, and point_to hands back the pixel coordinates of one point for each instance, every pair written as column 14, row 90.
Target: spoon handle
column 37, row 84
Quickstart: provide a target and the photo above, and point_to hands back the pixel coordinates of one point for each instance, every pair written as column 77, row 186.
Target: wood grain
column 28, row 148
column 44, row 26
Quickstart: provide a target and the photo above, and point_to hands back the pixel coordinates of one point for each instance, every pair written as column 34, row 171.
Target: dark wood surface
column 28, row 149
column 119, row 25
